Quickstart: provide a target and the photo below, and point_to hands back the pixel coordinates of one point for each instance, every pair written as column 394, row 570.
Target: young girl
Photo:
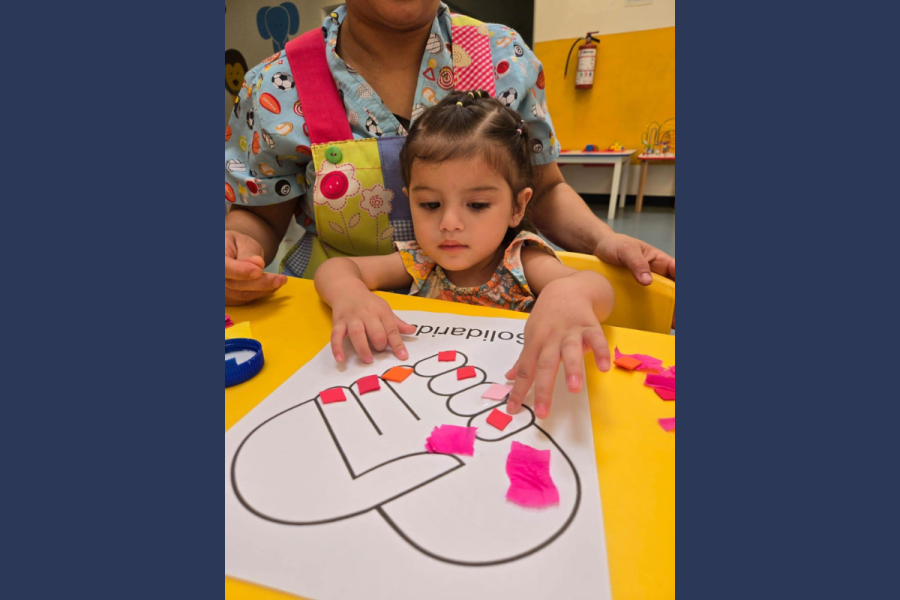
column 467, row 168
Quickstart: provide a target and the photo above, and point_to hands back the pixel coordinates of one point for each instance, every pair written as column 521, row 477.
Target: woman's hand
column 561, row 328
column 639, row 257
column 366, row 318
column 245, row 280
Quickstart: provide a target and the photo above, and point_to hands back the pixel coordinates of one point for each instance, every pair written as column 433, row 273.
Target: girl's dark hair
column 467, row 124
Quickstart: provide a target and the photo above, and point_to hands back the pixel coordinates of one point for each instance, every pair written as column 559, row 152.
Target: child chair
column 648, row 308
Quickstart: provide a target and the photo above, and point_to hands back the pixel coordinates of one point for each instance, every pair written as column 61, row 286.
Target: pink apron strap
column 323, row 108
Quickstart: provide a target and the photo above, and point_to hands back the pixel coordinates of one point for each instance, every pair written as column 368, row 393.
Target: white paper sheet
column 341, row 501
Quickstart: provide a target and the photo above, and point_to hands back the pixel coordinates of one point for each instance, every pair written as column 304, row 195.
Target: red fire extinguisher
column 587, row 58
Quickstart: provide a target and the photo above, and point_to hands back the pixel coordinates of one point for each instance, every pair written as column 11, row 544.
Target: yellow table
column 635, row 457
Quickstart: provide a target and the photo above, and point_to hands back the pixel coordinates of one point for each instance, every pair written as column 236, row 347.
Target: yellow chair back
column 648, row 308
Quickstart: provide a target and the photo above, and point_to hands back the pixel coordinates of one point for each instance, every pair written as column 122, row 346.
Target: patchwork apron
column 360, row 207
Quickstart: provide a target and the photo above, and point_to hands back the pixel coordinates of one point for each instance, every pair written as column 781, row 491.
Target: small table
column 604, row 157
column 635, row 458
column 646, row 159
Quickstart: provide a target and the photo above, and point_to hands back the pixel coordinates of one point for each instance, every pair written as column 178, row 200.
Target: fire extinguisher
column 587, row 57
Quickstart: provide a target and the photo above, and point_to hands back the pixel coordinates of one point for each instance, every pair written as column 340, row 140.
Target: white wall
column 564, row 19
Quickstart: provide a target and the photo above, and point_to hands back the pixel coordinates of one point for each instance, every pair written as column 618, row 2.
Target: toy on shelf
column 658, row 140
column 616, row 147
column 591, row 148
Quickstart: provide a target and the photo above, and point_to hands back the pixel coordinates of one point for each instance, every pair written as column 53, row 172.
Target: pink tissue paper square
column 529, row 476
column 667, row 424
column 660, row 381
column 648, row 363
column 665, row 393
column 452, row 439
column 447, row 356
column 497, row 391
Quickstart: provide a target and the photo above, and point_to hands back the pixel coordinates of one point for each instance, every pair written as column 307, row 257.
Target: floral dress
column 507, row 287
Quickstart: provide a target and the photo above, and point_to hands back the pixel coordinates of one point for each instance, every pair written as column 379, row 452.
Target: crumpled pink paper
column 648, row 363
column 529, row 476
column 667, row 424
column 669, row 371
column 452, row 439
column 657, row 381
column 228, row 322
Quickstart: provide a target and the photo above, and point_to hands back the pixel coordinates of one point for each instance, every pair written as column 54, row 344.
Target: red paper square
column 448, row 356
column 465, row 373
column 665, row 393
column 369, row 383
column 332, row 395
column 499, row 419
column 626, row 362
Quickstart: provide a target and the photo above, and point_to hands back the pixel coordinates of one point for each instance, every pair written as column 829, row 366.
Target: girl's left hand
column 562, row 327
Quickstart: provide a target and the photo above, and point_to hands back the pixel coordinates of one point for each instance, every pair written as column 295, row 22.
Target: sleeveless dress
column 507, row 287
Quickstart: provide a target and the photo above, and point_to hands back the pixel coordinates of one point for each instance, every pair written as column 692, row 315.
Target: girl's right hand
column 367, row 318
column 245, row 280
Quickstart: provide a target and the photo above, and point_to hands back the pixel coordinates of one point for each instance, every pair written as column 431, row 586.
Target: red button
column 334, row 185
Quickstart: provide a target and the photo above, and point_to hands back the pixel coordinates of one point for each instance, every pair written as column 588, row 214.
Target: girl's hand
column 366, row 318
column 562, row 327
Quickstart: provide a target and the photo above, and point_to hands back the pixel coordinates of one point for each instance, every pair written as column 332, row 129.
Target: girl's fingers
column 337, row 341
column 522, row 379
column 403, row 326
column 357, row 332
column 597, row 342
column 392, row 327
column 544, row 379
column 511, row 374
column 573, row 361
column 375, row 331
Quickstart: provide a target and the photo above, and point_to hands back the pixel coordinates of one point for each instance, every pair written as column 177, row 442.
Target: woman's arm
column 564, row 323
column 265, row 224
column 252, row 235
column 344, row 284
column 564, row 217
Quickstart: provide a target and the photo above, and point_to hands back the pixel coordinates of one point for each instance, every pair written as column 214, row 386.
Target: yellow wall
column 634, row 85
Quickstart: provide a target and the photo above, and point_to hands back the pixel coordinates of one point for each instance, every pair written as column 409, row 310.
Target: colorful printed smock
column 267, row 148
column 507, row 287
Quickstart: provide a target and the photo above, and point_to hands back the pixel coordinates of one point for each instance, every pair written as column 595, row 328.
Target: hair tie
column 471, row 94
column 459, row 103
column 519, row 131
column 478, row 92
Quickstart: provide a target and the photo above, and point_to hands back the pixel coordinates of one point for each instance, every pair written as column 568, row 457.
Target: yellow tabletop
column 635, row 457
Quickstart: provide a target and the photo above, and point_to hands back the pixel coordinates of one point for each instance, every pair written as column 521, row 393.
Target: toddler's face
column 461, row 210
